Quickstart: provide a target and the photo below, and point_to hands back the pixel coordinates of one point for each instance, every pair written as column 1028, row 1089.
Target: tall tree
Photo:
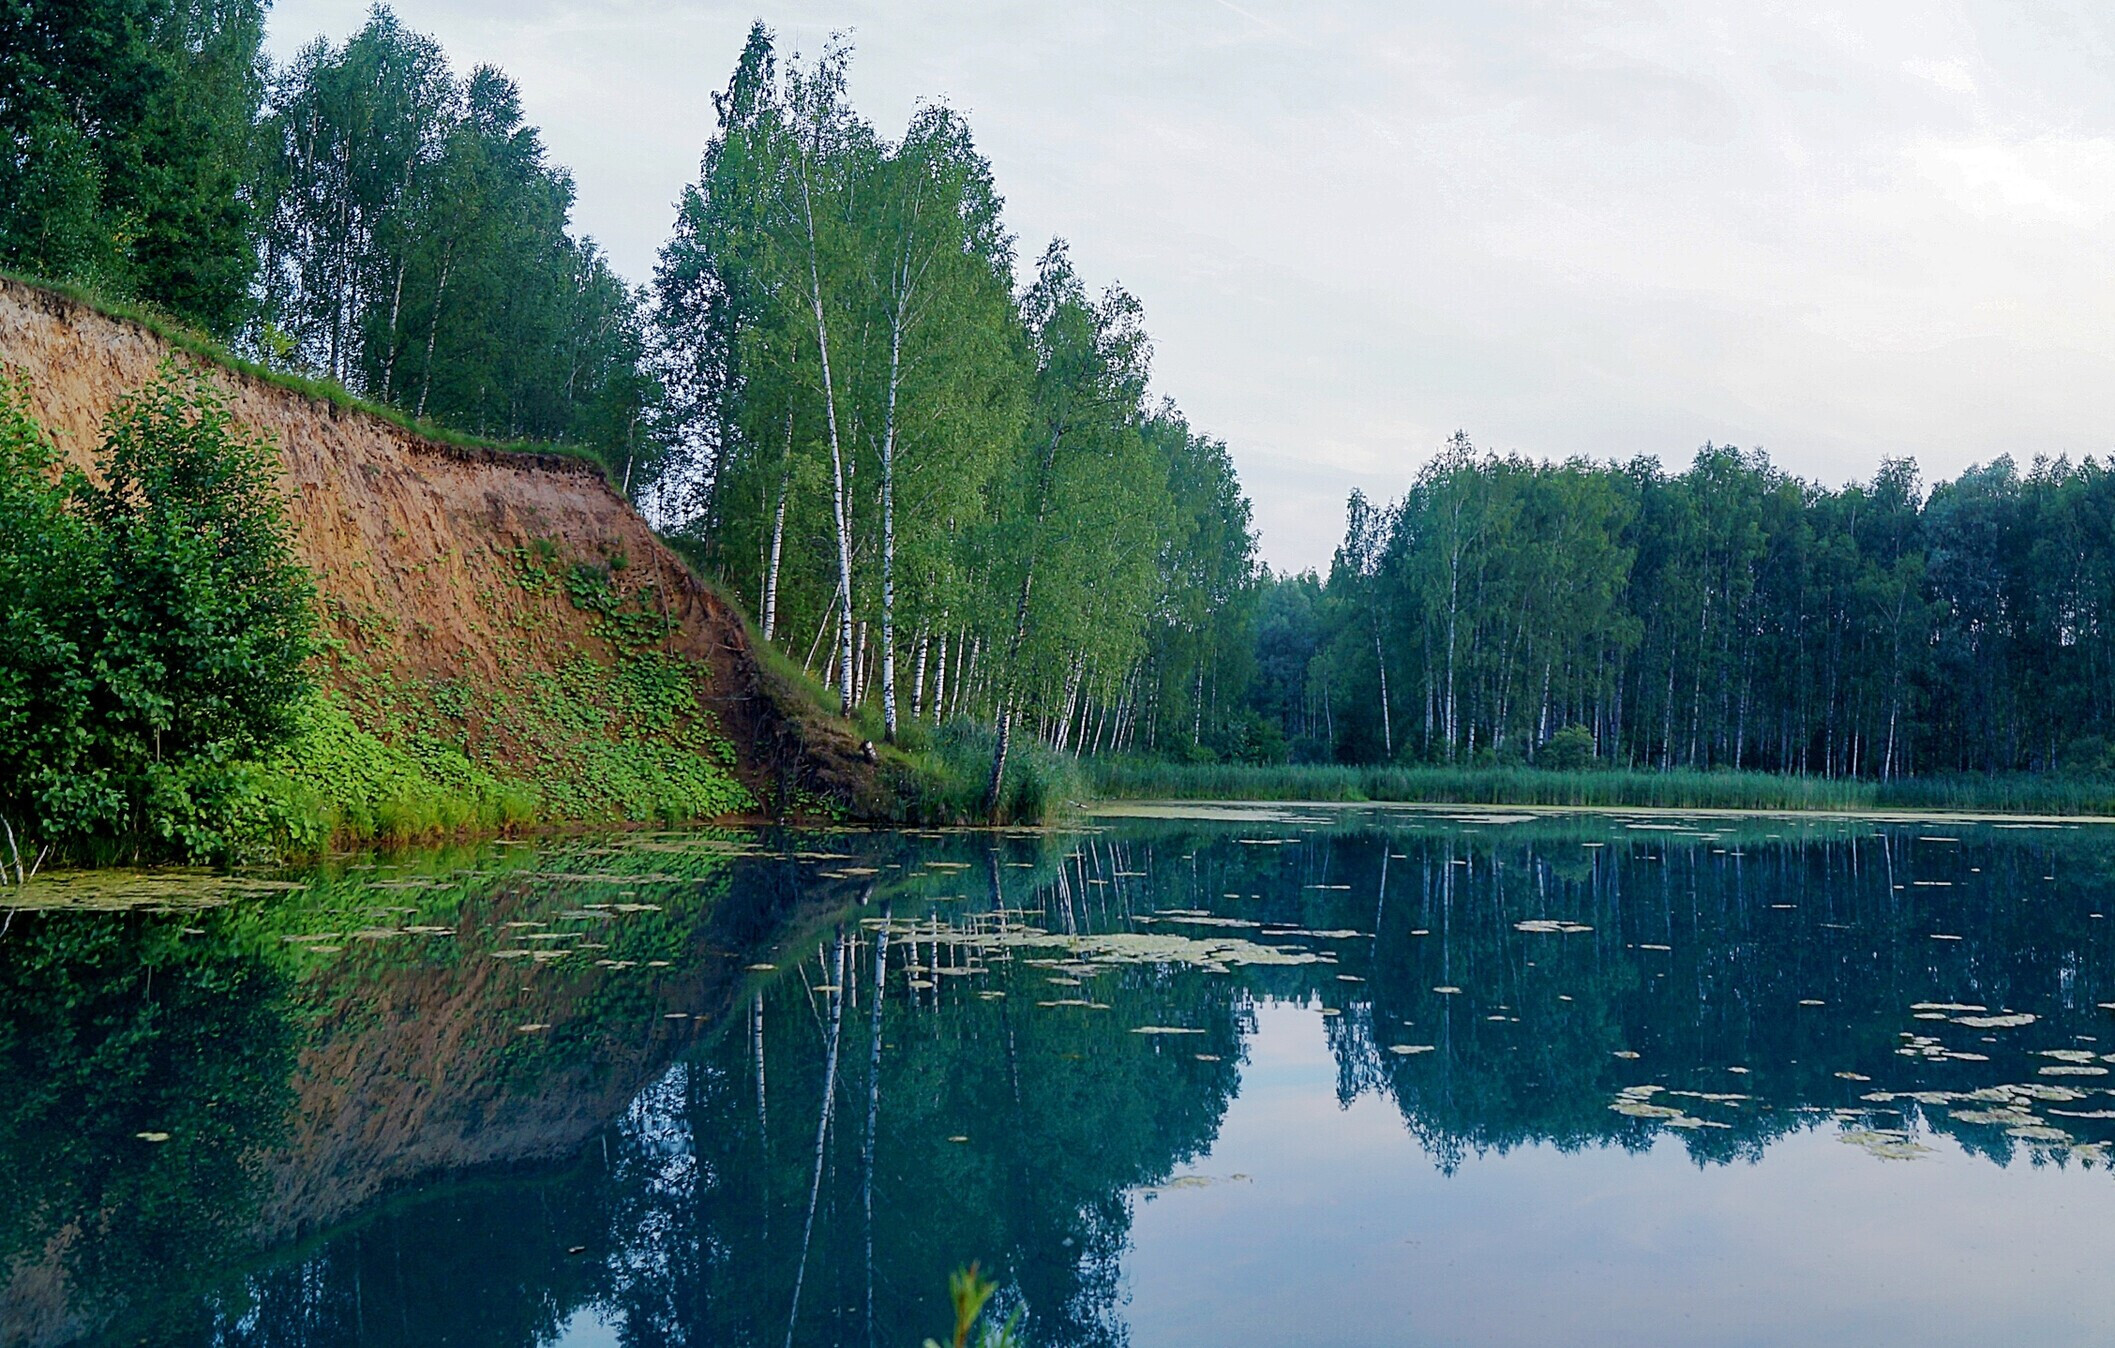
column 130, row 150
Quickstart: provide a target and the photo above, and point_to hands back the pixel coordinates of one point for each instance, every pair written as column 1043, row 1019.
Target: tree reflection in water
column 928, row 1072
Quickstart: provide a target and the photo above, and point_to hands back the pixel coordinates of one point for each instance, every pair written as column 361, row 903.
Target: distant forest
column 935, row 478
column 1726, row 616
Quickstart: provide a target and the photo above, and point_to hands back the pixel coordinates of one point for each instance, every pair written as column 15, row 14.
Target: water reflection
column 683, row 1089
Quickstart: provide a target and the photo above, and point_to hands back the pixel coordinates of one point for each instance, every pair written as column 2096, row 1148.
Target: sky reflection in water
column 1176, row 1080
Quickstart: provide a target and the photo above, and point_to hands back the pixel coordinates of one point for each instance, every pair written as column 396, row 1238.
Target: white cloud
column 1953, row 74
column 2067, row 181
column 1840, row 232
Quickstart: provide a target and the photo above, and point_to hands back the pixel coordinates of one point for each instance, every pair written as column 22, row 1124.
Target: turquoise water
column 1261, row 1076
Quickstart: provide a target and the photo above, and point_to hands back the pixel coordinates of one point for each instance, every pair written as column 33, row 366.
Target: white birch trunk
column 778, row 533
column 888, row 524
column 918, row 674
column 837, row 460
column 940, row 681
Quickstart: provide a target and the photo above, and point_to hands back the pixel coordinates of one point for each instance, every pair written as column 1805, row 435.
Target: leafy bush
column 165, row 625
column 50, row 586
column 1569, row 750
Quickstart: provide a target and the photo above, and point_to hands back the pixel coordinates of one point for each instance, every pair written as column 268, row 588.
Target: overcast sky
column 1839, row 232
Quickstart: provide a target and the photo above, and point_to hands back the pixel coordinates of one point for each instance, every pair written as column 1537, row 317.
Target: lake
column 1186, row 1076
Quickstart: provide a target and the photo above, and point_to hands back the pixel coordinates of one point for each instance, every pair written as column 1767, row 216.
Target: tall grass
column 952, row 772
column 2022, row 793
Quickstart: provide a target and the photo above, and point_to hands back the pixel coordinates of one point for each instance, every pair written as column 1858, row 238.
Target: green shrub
column 1569, row 750
column 51, row 580
column 157, row 699
column 166, row 625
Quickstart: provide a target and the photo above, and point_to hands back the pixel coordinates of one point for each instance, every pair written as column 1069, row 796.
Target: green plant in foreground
column 167, row 625
column 969, row 1290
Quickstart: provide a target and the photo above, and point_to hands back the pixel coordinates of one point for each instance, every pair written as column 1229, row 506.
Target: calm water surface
column 1262, row 1076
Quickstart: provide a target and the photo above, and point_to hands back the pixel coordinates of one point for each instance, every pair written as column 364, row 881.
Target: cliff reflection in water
column 706, row 1089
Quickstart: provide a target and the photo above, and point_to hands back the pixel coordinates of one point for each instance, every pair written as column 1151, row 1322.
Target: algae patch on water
column 1215, row 954
column 167, row 889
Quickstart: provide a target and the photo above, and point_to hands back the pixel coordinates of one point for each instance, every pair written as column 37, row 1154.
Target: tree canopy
column 1729, row 615
column 986, row 514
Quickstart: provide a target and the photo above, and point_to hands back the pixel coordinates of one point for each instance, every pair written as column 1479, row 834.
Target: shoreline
column 1174, row 807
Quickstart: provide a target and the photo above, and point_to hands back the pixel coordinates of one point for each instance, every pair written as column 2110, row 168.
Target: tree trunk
column 837, row 461
column 940, row 689
column 396, row 306
column 888, row 531
column 918, row 675
column 778, row 532
column 998, row 763
column 1387, row 724
column 433, row 327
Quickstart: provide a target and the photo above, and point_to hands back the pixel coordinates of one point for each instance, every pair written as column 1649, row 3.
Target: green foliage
column 184, row 338
column 1727, row 616
column 168, row 629
column 131, row 151
column 416, row 248
column 336, row 781
column 622, row 744
column 945, row 498
column 52, row 581
column 1668, row 788
column 618, row 735
column 1569, row 750
column 951, row 777
column 969, row 1291
column 207, row 610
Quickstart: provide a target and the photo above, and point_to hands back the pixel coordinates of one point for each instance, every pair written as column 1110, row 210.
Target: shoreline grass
column 1114, row 779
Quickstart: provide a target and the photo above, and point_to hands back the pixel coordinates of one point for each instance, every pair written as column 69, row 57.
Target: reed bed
column 1678, row 788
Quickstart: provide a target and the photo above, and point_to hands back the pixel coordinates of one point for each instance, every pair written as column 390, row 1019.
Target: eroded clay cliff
column 415, row 543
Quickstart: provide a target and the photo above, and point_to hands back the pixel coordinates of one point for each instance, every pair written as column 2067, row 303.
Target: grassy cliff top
column 192, row 342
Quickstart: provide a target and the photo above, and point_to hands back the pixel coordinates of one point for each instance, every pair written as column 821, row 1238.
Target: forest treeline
column 934, row 477
column 943, row 496
column 1727, row 616
column 361, row 214
column 929, row 467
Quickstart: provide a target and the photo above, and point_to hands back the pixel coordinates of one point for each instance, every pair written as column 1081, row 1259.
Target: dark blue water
column 1269, row 1076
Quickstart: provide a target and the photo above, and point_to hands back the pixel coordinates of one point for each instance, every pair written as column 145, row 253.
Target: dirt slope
column 419, row 542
